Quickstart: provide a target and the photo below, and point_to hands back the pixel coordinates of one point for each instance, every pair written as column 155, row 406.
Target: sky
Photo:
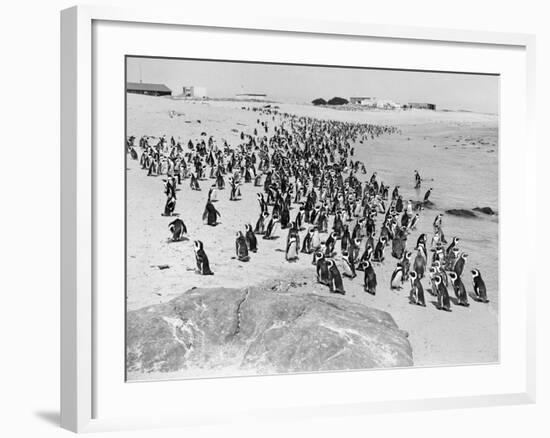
column 299, row 83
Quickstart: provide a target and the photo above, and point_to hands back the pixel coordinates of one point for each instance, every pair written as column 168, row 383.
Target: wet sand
column 457, row 150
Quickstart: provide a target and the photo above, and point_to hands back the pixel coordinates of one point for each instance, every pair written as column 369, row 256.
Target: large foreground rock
column 261, row 331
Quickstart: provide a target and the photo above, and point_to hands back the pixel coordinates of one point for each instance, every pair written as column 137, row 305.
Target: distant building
column 374, row 102
column 387, row 104
column 252, row 96
column 148, row 89
column 367, row 101
column 419, row 105
column 194, row 92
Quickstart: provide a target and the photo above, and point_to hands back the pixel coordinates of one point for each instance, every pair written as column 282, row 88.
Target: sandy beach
column 439, row 144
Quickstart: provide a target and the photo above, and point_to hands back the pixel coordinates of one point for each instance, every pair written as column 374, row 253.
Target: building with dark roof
column 422, row 105
column 252, row 96
column 148, row 89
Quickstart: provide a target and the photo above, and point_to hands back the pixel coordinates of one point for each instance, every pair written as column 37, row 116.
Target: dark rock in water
column 486, row 210
column 260, row 331
column 461, row 212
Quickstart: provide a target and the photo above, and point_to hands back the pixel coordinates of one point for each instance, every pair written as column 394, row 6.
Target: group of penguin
column 307, row 164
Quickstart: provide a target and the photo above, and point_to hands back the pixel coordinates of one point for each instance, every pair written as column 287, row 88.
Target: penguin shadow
column 180, row 240
column 414, row 303
column 242, row 259
column 279, row 250
column 454, row 301
column 476, row 299
column 170, row 215
column 434, row 303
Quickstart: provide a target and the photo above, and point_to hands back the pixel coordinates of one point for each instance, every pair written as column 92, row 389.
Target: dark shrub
column 319, row 101
column 337, row 101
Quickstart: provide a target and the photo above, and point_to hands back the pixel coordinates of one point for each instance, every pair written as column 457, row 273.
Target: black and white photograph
column 287, row 218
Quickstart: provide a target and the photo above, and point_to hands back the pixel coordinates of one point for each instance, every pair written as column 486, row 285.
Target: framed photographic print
column 256, row 208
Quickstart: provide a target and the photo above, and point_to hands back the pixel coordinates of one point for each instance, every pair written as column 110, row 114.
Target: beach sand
column 458, row 150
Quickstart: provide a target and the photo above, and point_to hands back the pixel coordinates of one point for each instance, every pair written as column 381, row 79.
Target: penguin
column 432, row 272
column 460, row 290
column 370, row 241
column 258, row 180
column 178, row 229
column 194, row 183
column 292, row 249
column 285, row 217
column 443, row 300
column 459, row 265
column 299, row 218
column 133, row 154
column 345, row 241
column 241, row 248
column 348, row 265
column 396, row 278
column 452, row 245
column 330, row 244
column 261, row 223
column 212, row 194
column 369, row 281
column 316, row 255
column 438, row 222
column 436, row 239
column 479, row 286
column 321, row 268
column 409, row 208
column 337, row 225
column 251, row 240
column 335, row 279
column 210, row 214
column 313, row 215
column 405, row 220
column 414, row 222
column 451, row 259
column 322, row 221
column 366, row 257
column 417, row 291
column 398, row 246
column 399, row 204
column 420, row 263
column 395, row 193
column 439, row 269
column 357, row 229
column 169, row 206
column 270, row 231
column 405, row 263
column 203, row 266
column 438, row 256
column 354, row 248
column 427, row 195
column 315, row 239
column 417, row 180
column 306, row 244
column 422, row 240
column 378, row 255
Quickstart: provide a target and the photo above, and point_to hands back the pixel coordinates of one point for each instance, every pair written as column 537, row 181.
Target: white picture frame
column 79, row 361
